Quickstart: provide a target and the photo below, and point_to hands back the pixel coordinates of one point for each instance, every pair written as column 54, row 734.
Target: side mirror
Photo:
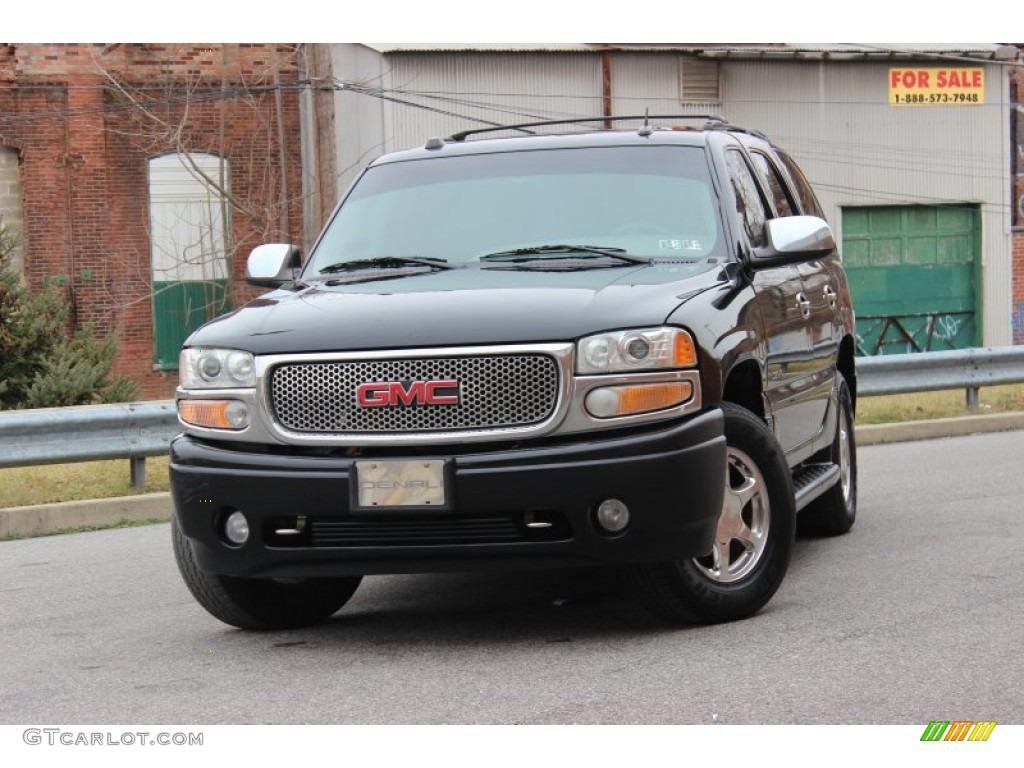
column 794, row 238
column 272, row 265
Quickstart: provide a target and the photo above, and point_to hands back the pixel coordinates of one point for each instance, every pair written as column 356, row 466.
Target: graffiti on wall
column 1018, row 323
column 881, row 334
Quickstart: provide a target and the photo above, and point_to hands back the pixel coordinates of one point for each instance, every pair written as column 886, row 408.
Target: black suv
column 629, row 347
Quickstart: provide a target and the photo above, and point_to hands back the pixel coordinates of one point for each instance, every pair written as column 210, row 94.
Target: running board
column 812, row 481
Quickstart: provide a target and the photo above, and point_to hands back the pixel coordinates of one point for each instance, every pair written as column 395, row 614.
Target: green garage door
column 913, row 274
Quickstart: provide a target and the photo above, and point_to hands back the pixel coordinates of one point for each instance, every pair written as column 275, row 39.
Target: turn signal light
column 685, row 350
column 607, row 402
column 214, row 414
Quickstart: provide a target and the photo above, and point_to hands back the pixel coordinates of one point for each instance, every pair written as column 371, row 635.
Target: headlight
column 204, row 368
column 644, row 349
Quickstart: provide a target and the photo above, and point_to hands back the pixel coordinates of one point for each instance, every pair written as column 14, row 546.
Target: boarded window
column 189, row 233
column 12, row 214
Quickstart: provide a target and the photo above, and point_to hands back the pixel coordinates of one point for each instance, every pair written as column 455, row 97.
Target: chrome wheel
column 844, row 453
column 745, row 565
column 742, row 531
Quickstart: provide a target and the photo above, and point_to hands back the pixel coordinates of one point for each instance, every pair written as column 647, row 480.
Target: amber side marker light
column 607, row 402
column 685, row 350
column 214, row 414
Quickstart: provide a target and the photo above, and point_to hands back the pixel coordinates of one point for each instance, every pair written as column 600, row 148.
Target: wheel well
column 847, row 367
column 743, row 388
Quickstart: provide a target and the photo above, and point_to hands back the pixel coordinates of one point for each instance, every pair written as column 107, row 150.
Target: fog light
column 612, row 515
column 236, row 528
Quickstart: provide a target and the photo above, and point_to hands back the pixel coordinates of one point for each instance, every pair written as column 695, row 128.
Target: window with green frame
column 189, row 236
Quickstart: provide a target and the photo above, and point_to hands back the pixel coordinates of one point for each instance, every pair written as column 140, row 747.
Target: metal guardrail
column 136, row 430
column 969, row 369
column 87, row 433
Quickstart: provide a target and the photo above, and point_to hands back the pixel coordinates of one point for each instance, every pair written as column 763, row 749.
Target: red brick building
column 139, row 177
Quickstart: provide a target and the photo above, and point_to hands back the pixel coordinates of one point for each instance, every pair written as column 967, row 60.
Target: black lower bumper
column 523, row 507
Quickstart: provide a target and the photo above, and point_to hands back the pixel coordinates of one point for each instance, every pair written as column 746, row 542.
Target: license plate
column 391, row 484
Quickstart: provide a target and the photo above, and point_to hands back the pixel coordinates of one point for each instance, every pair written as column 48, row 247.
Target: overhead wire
column 458, row 105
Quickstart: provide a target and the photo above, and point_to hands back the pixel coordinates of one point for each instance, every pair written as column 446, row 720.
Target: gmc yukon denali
column 630, row 347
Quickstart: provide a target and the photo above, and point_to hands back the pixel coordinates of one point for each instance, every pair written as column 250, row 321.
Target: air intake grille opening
column 495, row 392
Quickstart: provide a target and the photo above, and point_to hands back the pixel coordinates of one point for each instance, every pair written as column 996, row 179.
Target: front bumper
column 669, row 476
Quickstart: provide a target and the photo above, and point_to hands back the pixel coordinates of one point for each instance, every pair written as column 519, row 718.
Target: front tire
column 753, row 540
column 260, row 603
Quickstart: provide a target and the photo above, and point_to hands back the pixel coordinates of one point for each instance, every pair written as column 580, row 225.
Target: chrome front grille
column 499, row 391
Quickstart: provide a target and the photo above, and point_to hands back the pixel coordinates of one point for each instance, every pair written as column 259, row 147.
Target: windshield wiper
column 386, row 262
column 556, row 251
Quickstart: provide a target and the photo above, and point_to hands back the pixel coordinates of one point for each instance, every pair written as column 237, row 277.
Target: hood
column 458, row 307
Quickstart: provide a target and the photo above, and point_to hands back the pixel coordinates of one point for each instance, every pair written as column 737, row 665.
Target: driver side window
column 749, row 204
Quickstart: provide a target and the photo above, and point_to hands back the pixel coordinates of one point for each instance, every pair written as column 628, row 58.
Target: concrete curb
column 49, row 518
column 905, row 431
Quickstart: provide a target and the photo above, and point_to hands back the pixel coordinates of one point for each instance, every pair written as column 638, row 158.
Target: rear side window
column 749, row 204
column 808, row 202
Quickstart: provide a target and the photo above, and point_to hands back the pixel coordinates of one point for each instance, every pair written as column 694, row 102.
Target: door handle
column 803, row 304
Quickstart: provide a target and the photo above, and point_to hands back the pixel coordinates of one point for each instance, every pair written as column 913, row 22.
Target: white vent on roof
column 698, row 81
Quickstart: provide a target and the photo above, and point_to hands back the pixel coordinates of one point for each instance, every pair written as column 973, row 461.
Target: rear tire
column 753, row 541
column 835, row 512
column 260, row 603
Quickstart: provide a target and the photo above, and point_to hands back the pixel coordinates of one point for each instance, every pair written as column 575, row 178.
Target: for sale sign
column 936, row 87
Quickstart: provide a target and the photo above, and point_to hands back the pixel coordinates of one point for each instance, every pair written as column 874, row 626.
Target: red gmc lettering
column 389, row 393
column 433, row 398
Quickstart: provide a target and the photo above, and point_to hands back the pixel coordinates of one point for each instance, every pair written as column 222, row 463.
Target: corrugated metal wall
column 403, row 99
column 645, row 83
column 493, row 88
column 834, row 117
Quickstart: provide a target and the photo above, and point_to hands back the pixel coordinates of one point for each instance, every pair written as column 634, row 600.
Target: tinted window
column 652, row 201
column 749, row 204
column 808, row 202
column 774, row 184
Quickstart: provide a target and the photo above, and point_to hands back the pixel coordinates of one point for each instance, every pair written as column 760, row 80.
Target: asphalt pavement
column 916, row 615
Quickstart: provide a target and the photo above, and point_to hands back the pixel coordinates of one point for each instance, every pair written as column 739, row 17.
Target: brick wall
column 84, row 147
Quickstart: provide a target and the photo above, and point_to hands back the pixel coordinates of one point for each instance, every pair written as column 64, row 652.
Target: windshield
column 654, row 202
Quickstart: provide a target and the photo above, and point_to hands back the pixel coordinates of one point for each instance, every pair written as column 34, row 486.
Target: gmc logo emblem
column 391, row 393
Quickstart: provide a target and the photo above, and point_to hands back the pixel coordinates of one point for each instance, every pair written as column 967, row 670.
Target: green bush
column 42, row 365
